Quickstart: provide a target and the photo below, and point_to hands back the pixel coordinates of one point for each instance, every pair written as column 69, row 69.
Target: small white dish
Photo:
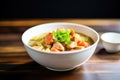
column 111, row 41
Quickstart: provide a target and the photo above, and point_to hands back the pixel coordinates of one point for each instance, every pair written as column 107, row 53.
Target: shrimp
column 49, row 38
column 58, row 46
column 72, row 45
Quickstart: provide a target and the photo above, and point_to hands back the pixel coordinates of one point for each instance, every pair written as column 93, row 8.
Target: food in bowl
column 62, row 60
column 60, row 40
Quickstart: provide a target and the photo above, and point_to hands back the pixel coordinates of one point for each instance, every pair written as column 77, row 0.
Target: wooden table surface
column 15, row 64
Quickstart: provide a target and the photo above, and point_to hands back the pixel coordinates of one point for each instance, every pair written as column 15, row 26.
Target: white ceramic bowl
column 60, row 61
column 111, row 41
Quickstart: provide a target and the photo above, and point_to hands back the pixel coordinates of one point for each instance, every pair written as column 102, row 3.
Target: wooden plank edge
column 33, row 22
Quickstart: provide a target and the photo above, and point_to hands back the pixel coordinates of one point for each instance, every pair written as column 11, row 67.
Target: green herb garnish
column 62, row 36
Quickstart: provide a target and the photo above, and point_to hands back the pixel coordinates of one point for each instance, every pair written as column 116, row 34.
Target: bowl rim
column 64, row 52
column 102, row 37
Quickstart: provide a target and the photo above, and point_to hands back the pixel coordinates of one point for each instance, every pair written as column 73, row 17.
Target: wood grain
column 31, row 22
column 16, row 64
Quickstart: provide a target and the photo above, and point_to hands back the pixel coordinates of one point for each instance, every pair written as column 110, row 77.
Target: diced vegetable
column 63, row 36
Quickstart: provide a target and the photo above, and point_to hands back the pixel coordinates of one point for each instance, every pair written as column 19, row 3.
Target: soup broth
column 60, row 40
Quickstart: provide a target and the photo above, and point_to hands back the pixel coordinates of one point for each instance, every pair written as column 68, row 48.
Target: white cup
column 111, row 41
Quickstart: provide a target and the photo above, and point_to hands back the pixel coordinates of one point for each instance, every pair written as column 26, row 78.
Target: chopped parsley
column 63, row 36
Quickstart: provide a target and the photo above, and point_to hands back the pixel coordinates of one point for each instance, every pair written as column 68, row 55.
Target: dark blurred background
column 35, row 9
